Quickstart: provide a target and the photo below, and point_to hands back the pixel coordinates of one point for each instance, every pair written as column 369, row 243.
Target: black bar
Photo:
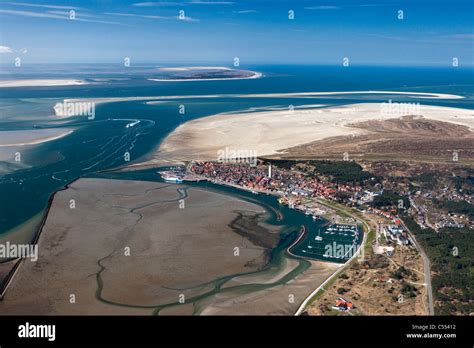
column 216, row 330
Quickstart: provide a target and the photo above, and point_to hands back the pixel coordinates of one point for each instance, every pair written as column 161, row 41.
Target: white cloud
column 247, row 11
column 43, row 6
column 198, row 2
column 5, row 49
column 136, row 15
column 333, row 7
column 78, row 14
column 155, row 3
column 468, row 36
column 53, row 16
column 187, row 19
column 322, row 7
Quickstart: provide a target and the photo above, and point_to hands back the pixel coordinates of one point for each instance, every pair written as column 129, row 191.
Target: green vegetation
column 339, row 171
column 409, row 290
column 424, row 178
column 457, row 207
column 285, row 164
column 377, row 262
column 426, row 181
column 342, row 291
column 342, row 171
column 389, row 199
column 342, row 196
column 452, row 263
column 400, row 273
column 466, row 184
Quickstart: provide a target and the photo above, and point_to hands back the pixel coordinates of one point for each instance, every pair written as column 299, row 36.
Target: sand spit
column 31, row 137
column 421, row 95
column 41, row 83
column 255, row 75
column 13, row 142
column 269, row 132
column 192, row 68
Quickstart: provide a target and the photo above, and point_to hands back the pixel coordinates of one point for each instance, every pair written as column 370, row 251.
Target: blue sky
column 258, row 32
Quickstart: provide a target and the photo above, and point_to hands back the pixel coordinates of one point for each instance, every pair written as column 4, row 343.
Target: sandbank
column 268, row 132
column 40, row 83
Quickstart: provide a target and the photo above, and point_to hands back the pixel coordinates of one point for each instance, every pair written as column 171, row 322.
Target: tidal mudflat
column 136, row 247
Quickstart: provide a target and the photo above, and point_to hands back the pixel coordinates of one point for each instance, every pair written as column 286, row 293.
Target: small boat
column 318, row 237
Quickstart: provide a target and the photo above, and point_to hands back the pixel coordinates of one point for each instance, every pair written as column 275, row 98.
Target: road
column 427, row 271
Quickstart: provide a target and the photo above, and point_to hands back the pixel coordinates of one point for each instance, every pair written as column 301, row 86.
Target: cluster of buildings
column 448, row 222
column 451, row 194
column 428, row 215
column 290, row 184
column 366, row 196
column 396, row 233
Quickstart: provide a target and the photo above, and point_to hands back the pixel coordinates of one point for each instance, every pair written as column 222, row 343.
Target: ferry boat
column 173, row 179
column 172, row 176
